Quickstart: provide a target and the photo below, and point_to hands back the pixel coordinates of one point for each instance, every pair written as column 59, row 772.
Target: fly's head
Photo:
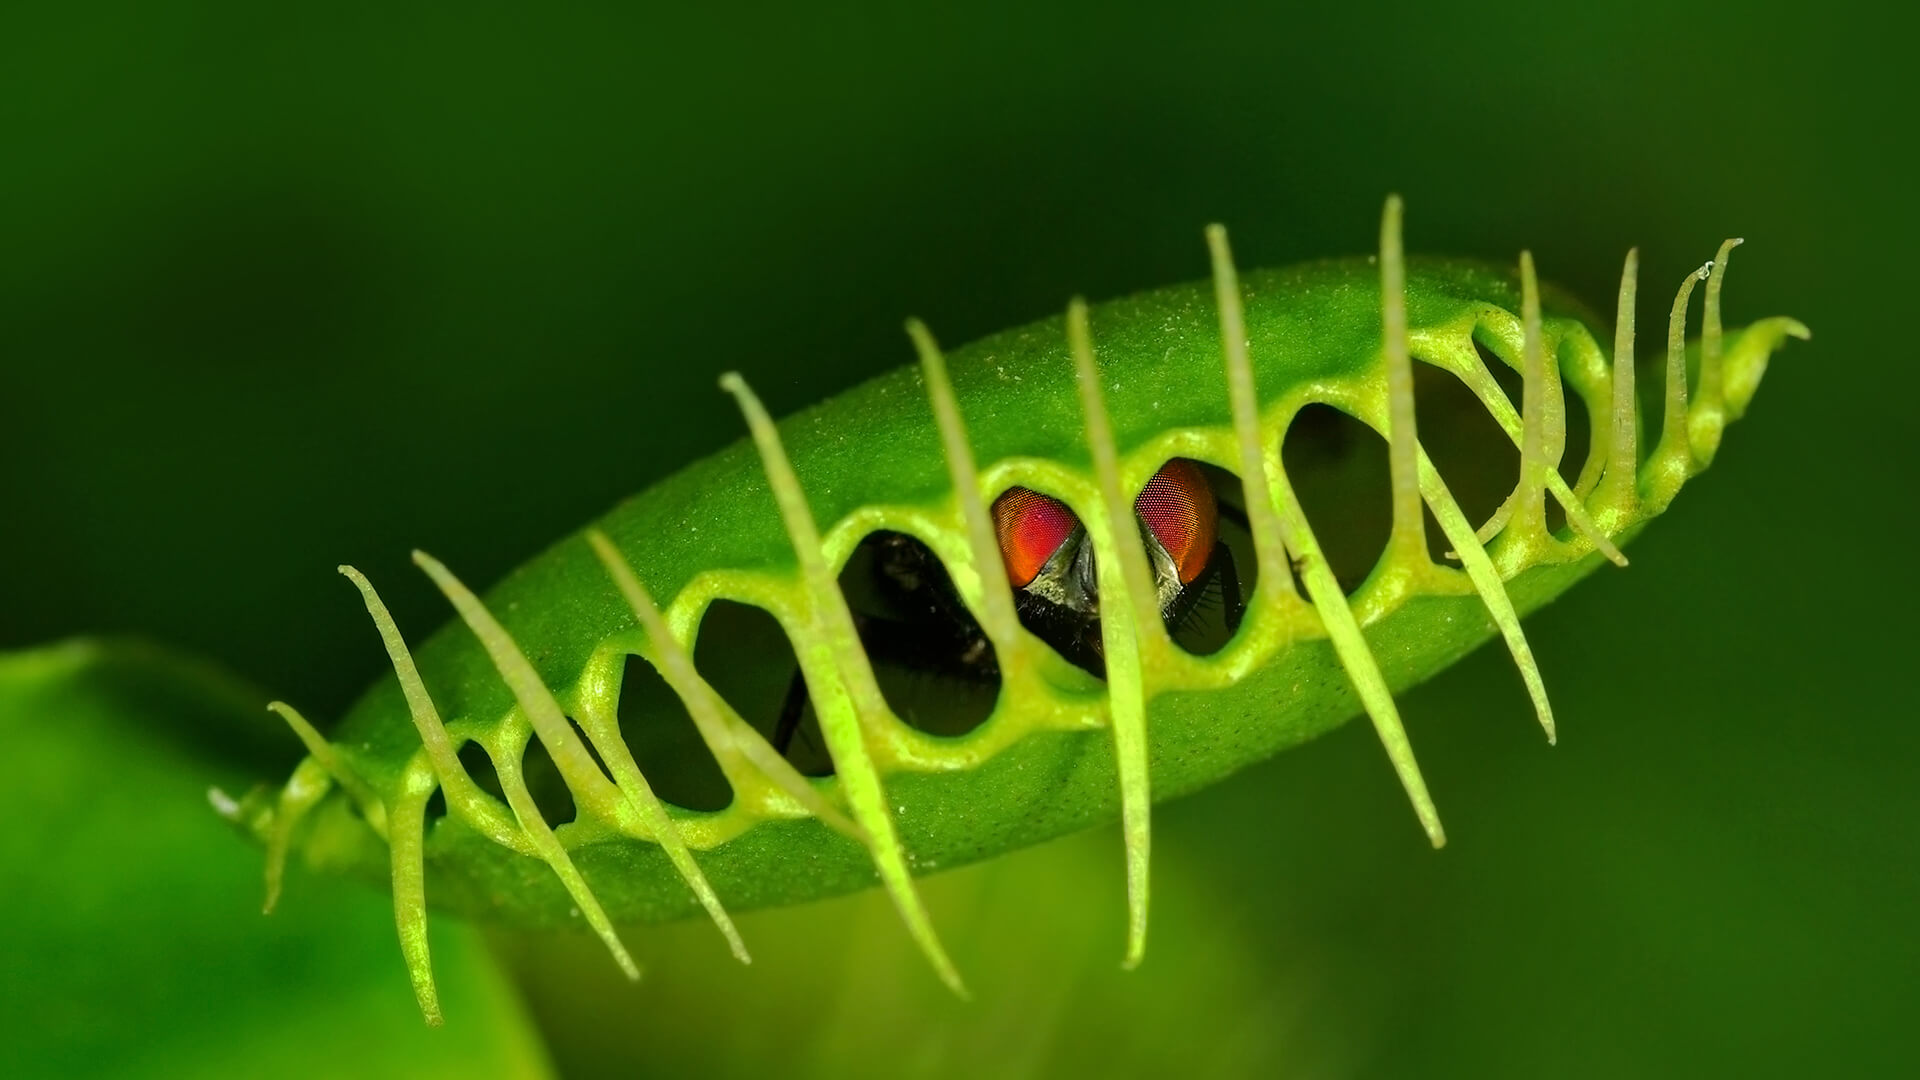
column 1050, row 561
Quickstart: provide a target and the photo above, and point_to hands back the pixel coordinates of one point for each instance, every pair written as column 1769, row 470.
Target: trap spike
column 605, row 736
column 309, row 784
column 1270, row 551
column 1502, row 514
column 1746, row 363
column 1123, row 628
column 1531, row 513
column 1480, row 381
column 761, row 754
column 462, row 793
column 582, row 774
column 1269, row 495
column 1672, row 460
column 997, row 616
column 1707, row 419
column 225, row 805
column 851, row 694
column 1553, row 417
column 407, row 842
column 323, row 752
column 1543, row 433
column 1356, row 656
column 1578, row 518
column 721, row 733
column 1408, row 541
column 1620, row 487
column 1486, row 581
column 548, row 847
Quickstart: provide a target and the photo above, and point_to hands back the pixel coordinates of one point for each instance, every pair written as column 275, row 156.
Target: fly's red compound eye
column 1177, row 506
column 1031, row 527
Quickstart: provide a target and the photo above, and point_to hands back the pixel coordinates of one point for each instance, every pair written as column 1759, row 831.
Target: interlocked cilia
column 1085, row 411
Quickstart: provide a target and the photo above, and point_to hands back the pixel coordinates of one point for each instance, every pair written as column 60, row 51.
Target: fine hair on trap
column 1116, row 421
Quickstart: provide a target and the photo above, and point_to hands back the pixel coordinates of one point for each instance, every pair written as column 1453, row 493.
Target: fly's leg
column 1234, row 602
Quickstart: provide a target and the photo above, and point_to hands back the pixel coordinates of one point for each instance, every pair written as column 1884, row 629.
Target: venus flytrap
column 1083, row 412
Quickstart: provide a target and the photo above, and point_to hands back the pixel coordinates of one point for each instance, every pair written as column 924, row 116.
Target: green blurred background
column 284, row 287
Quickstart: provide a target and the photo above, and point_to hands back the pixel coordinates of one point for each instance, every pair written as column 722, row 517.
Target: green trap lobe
column 1062, row 750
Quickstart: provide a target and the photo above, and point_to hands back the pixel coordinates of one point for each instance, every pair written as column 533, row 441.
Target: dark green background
column 281, row 289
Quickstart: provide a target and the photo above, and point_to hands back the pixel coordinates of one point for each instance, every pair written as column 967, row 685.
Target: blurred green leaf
column 130, row 921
